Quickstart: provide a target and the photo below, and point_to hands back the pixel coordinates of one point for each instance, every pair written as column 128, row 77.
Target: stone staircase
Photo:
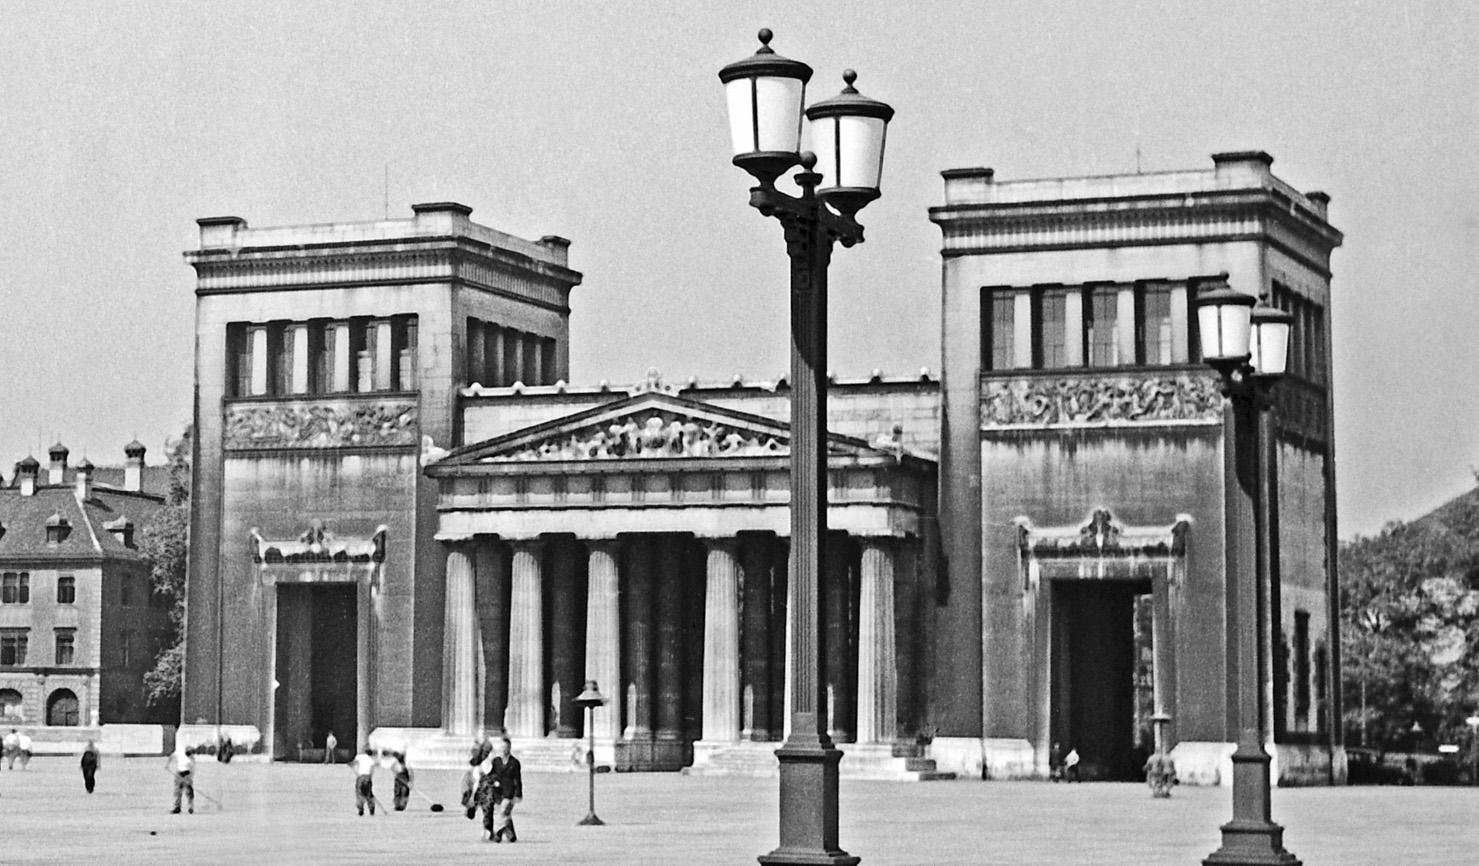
column 897, row 762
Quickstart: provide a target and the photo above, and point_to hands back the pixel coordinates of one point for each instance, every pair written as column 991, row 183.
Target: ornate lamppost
column 765, row 93
column 1249, row 347
column 588, row 700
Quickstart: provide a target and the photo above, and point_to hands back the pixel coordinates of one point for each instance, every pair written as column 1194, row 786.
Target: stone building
column 79, row 622
column 408, row 524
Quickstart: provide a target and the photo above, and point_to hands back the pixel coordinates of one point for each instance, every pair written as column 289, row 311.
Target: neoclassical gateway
column 410, row 527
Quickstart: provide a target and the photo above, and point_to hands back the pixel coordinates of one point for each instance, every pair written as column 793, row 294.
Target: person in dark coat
column 91, row 758
column 402, row 773
column 500, row 786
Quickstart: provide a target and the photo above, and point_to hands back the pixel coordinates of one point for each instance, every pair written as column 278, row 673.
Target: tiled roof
column 155, row 478
column 25, row 518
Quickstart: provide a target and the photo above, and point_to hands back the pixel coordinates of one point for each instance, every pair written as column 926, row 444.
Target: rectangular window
column 547, row 360
column 238, row 360
column 66, row 589
column 13, row 647
column 1301, row 664
column 15, row 588
column 1050, row 346
column 66, row 645
column 1001, row 333
column 1153, row 328
column 404, row 356
column 1101, row 320
column 279, row 359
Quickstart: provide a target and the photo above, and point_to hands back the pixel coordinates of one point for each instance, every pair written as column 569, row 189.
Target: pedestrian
column 470, row 784
column 91, row 760
column 1055, row 762
column 501, row 786
column 227, row 749
column 12, row 746
column 25, row 746
column 402, row 773
column 331, row 743
column 182, row 765
column 1070, row 765
column 364, row 777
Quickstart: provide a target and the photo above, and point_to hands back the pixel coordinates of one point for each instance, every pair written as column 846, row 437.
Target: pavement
column 291, row 813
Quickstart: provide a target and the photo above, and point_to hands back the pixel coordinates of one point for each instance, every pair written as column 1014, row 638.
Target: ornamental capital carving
column 1099, row 401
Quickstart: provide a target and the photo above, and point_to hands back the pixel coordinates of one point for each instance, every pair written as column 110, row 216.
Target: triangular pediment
column 648, row 426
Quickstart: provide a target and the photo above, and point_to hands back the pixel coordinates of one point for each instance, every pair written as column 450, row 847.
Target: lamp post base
column 1251, row 843
column 591, row 821
column 808, row 771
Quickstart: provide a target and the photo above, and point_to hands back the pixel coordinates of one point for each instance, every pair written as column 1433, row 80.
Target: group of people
column 16, row 745
column 1063, row 767
column 494, row 782
column 364, row 765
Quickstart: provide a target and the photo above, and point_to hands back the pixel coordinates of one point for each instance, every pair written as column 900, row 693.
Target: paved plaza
column 258, row 813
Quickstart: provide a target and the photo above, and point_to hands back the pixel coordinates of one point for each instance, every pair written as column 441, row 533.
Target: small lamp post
column 1248, row 345
column 765, row 93
column 588, row 700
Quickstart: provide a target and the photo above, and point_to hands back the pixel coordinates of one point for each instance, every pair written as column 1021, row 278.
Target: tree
column 1410, row 628
column 165, row 540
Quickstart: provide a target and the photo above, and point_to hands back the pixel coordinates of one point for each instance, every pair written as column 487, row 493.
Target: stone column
column 840, row 662
column 755, row 716
column 603, row 633
column 383, row 348
column 298, row 332
column 524, row 716
column 636, row 621
column 567, row 626
column 473, row 368
column 491, row 568
column 721, row 692
column 780, row 638
column 668, row 610
column 460, row 648
column 877, row 671
column 493, row 357
column 257, row 337
column 511, row 356
column 339, row 366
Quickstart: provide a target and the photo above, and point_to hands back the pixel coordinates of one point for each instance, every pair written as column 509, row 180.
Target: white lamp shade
column 1268, row 341
column 765, row 114
column 1224, row 324
column 849, row 151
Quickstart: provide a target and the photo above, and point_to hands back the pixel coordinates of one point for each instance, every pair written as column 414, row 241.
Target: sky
column 121, row 124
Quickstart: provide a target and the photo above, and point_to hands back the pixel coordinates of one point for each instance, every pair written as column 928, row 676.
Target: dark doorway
column 316, row 669
column 1100, row 674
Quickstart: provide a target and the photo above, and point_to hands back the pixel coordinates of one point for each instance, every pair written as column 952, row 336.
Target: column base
column 808, row 805
column 1251, row 843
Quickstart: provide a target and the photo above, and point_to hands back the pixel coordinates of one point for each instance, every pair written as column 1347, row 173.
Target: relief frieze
column 338, row 424
column 1098, row 400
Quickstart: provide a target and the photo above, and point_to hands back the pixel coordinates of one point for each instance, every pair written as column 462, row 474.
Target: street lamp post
column 1249, row 347
column 765, row 93
column 588, row 700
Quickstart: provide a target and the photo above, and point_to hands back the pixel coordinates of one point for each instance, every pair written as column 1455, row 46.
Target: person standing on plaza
column 25, row 749
column 12, row 745
column 402, row 773
column 182, row 765
column 364, row 778
column 91, row 760
column 1055, row 762
column 1070, row 765
column 501, row 786
column 331, row 743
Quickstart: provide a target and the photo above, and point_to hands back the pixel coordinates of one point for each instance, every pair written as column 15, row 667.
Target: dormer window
column 121, row 529
column 57, row 529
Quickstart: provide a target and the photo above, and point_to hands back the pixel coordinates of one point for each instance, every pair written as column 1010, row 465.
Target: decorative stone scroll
column 1103, row 537
column 346, row 424
column 650, row 434
column 1098, row 401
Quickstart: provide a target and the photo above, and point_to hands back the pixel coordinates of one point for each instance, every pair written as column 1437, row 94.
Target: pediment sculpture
column 650, row 434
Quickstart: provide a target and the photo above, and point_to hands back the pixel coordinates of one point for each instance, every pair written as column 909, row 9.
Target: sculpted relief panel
column 651, row 434
column 1098, row 400
column 347, row 424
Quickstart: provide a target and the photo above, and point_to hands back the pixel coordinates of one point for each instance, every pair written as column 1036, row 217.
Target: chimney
column 57, row 472
column 25, row 475
column 133, row 466
column 84, row 480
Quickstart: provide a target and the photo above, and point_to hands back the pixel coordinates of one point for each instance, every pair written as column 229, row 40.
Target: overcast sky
column 120, row 124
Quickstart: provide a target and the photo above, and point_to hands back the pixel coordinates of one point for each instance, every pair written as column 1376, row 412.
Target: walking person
column 364, row 777
column 402, row 773
column 91, row 760
column 182, row 765
column 1055, row 762
column 25, row 748
column 331, row 743
column 1070, row 765
column 501, row 786
column 12, row 745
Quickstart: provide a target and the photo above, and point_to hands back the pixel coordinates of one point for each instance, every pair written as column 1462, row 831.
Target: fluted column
column 567, row 626
column 491, row 566
column 636, row 621
column 460, row 648
column 603, row 633
column 669, row 650
column 525, row 714
column 877, row 672
column 721, row 691
column 840, row 663
column 756, row 633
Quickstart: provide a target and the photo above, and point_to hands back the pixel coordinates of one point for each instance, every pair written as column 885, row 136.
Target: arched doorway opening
column 11, row 712
column 62, row 709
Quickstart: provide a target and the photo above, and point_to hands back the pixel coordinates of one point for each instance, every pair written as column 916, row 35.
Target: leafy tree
column 1410, row 628
column 165, row 540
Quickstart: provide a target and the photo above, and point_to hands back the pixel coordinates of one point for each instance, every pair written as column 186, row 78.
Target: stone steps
column 900, row 762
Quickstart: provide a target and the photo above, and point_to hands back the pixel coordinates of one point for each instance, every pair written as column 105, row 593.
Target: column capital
column 610, row 545
column 725, row 543
column 533, row 546
column 886, row 543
